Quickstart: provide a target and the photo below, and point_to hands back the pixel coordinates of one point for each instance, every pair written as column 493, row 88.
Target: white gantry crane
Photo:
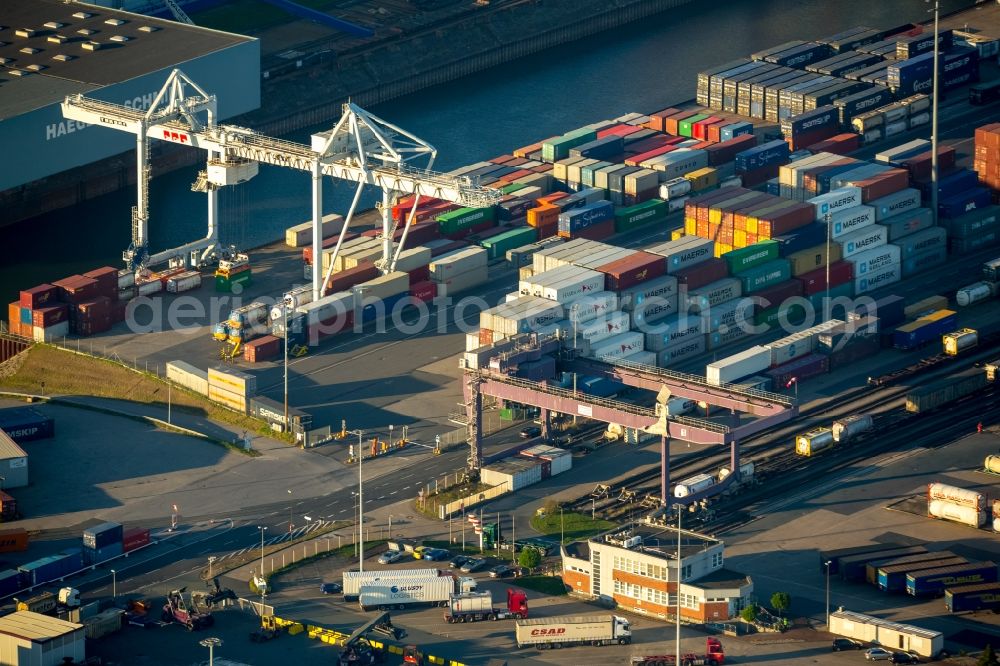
column 361, row 148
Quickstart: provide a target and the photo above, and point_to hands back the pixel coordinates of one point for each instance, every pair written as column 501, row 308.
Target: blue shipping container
column 923, row 334
column 588, row 216
column 890, row 310
column 825, row 116
column 952, row 184
column 802, row 238
column 381, row 308
column 26, row 316
column 10, row 582
column 773, row 187
column 734, row 130
column 911, row 47
column 971, row 200
column 102, row 535
column 800, row 56
column 26, row 424
column 931, row 583
column 770, row 153
column 599, row 149
column 98, row 555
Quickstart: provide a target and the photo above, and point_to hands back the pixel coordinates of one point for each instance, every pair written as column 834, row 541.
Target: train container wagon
column 814, row 441
column 893, row 579
column 933, row 582
column 985, row 596
column 932, row 396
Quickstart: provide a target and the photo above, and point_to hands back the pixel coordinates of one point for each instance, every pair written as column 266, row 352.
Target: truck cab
column 623, row 629
column 466, row 584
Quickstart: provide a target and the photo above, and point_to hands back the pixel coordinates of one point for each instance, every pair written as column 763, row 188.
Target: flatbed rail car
column 986, row 341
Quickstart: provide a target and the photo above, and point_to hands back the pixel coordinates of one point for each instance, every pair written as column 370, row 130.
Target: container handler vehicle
column 176, row 609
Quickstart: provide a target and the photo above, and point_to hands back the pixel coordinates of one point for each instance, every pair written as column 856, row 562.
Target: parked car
column 418, row 552
column 502, row 571
column 390, row 556
column 530, row 431
column 904, row 658
column 459, row 561
column 877, row 654
column 331, row 588
column 475, row 564
column 846, row 644
column 436, row 554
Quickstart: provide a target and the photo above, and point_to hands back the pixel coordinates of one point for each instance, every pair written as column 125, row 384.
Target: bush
column 781, row 602
column 988, row 657
column 749, row 614
column 529, row 558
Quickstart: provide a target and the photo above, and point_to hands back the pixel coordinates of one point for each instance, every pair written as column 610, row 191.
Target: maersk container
column 720, row 338
column 684, row 252
column 862, row 241
column 720, row 291
column 836, row 201
column 742, row 259
column 923, row 241
column 736, row 313
column 925, row 261
column 846, row 429
column 896, row 204
column 693, row 485
column 673, row 331
column 814, row 441
column 681, row 352
column 663, row 288
column 910, row 222
column 983, row 596
column 974, row 293
column 744, row 364
column 878, row 279
column 851, row 220
column 933, row 582
column 876, row 259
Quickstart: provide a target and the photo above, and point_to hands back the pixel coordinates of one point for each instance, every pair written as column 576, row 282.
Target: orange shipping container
column 13, row 540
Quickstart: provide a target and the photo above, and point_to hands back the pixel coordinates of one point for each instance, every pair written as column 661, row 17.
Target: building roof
column 9, row 448
column 150, row 44
column 578, row 549
column 657, row 541
column 721, row 579
column 36, row 627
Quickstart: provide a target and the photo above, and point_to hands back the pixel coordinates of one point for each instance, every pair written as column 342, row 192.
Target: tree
column 529, row 558
column 749, row 614
column 781, row 602
column 988, row 657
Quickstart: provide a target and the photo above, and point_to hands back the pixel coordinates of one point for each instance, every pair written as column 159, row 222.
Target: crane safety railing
column 603, row 402
column 699, row 381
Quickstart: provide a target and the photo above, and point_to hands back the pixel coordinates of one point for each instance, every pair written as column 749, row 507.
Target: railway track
column 771, row 450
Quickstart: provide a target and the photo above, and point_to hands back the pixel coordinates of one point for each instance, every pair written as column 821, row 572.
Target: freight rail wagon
column 947, row 390
column 933, row 582
column 985, row 596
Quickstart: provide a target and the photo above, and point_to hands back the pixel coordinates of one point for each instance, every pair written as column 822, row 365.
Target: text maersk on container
column 878, row 262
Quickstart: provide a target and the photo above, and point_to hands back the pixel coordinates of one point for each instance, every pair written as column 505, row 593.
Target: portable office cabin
column 891, row 635
column 13, row 463
column 33, row 639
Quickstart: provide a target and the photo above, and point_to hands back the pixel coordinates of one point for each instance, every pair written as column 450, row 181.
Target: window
column 716, row 560
column 689, row 601
column 685, row 572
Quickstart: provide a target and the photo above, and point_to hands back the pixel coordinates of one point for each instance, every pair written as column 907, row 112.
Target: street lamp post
column 562, row 528
column 284, row 316
column 361, row 517
column 211, row 643
column 934, row 120
column 678, row 589
column 211, row 561
column 114, row 586
column 289, row 512
column 262, row 530
column 827, row 565
column 829, row 240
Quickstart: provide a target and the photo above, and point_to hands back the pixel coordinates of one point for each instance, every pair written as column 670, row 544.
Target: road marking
column 394, row 492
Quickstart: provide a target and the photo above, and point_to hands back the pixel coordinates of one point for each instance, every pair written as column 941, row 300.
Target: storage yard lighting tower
column 934, row 120
column 827, row 565
column 211, row 643
column 361, row 148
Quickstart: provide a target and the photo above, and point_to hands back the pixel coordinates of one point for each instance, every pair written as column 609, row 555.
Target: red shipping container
column 91, row 326
column 419, row 274
column 402, row 209
column 40, row 296
column 551, row 198
column 655, row 121
column 594, row 232
column 14, row 312
column 702, row 273
column 801, row 369
column 107, row 277
column 647, row 144
column 93, row 309
column 515, row 161
column 632, row 270
column 636, row 160
column 814, row 282
column 423, row 291
column 344, row 280
column 800, row 141
column 485, row 337
column 134, row 537
column 858, row 348
column 45, row 317
column 777, row 294
column 119, row 309
column 371, row 233
column 328, row 328
column 450, row 247
column 548, row 230
column 503, row 159
column 883, row 184
column 542, row 168
column 622, row 130
column 725, row 151
column 919, row 166
column 262, row 349
column 841, row 144
column 787, row 219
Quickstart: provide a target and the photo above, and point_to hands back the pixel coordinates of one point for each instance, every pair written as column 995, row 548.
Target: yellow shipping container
column 739, row 238
column 715, row 215
column 751, row 225
column 677, row 234
column 690, row 227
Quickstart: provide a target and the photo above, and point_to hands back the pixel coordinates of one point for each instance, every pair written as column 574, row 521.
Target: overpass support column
column 546, row 423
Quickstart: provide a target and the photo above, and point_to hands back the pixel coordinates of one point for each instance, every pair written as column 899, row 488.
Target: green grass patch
column 574, row 526
column 550, row 585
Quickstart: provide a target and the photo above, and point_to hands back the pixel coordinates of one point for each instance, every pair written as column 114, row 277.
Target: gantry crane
column 361, row 148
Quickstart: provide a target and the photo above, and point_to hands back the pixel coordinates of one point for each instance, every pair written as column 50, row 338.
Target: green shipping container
column 765, row 275
column 558, row 149
column 796, row 314
column 748, row 257
column 841, row 290
column 513, row 187
column 684, row 127
column 225, row 285
column 497, row 246
column 639, row 215
column 457, row 220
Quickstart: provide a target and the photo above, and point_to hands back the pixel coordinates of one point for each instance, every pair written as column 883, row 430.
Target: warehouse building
column 33, row 639
column 50, row 49
column 637, row 568
column 13, row 463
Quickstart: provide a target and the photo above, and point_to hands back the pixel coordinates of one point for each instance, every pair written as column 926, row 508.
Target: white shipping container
column 126, row 279
column 738, row 366
column 738, row 312
column 642, row 358
column 641, row 181
column 863, row 240
column 896, row 203
column 720, row 291
column 301, row 234
column 684, row 252
column 182, row 282
column 835, row 201
column 850, row 220
column 618, row 346
column 591, row 282
column 456, row 284
column 849, row 427
column 512, row 473
column 974, row 293
column 675, row 188
column 150, row 287
column 459, row 261
column 792, row 347
column 684, row 350
column 472, row 341
column 673, row 331
column 694, row 484
column 384, row 286
column 50, row 333
column 881, row 278
column 653, row 311
column 353, row 580
column 919, row 119
column 413, row 258
column 294, row 298
column 662, row 287
column 956, row 495
column 956, row 513
column 678, row 203
column 589, row 334
column 593, row 306
column 188, row 376
column 522, row 316
column 336, row 305
column 682, row 161
column 732, row 334
column 875, row 260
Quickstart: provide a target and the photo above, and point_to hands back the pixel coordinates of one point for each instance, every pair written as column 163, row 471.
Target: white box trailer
column 556, row 632
column 353, row 580
column 403, row 592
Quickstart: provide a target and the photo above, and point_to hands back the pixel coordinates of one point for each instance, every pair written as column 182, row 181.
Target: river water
column 642, row 67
